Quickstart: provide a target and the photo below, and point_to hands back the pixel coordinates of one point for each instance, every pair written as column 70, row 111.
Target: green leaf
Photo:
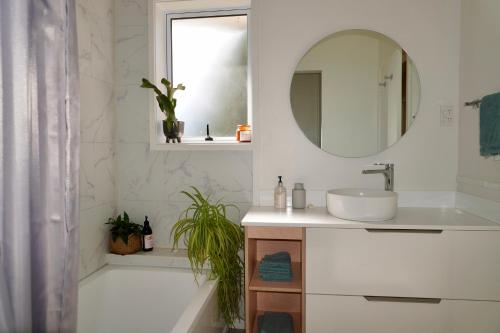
column 210, row 237
column 147, row 84
column 123, row 227
column 167, row 103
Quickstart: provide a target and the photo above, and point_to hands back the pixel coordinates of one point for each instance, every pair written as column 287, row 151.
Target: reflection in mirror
column 355, row 93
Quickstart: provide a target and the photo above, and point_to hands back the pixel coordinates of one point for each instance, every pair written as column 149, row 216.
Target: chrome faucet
column 387, row 171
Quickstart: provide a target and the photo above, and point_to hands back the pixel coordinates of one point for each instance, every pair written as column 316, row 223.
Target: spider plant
column 211, row 238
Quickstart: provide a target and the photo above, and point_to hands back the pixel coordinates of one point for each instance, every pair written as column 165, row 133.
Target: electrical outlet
column 447, row 116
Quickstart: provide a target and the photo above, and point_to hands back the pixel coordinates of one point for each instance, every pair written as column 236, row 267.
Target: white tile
column 83, row 23
column 163, row 215
column 484, row 208
column 140, row 173
column 131, row 12
column 95, row 28
column 103, row 10
column 132, row 114
column 154, row 175
column 97, row 174
column 131, row 55
column 426, row 199
column 317, row 198
column 97, row 110
column 102, row 48
column 94, row 238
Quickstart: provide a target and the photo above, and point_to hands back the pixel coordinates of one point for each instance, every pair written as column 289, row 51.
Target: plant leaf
column 147, row 84
column 211, row 238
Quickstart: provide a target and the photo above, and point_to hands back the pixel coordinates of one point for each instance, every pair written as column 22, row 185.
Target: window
column 203, row 44
column 208, row 53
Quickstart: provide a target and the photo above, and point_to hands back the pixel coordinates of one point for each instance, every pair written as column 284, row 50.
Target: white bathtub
column 126, row 299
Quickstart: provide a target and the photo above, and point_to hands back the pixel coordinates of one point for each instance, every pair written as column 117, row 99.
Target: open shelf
column 295, row 286
column 274, row 296
column 297, row 321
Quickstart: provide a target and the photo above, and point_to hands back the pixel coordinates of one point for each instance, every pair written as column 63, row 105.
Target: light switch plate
column 447, row 116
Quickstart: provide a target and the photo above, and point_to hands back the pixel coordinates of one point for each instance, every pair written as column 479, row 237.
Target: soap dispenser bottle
column 147, row 236
column 280, row 195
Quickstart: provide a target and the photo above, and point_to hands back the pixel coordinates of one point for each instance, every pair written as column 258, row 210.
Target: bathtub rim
column 193, row 312
column 109, row 267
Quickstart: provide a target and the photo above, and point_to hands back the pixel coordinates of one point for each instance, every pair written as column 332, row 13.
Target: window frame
column 162, row 13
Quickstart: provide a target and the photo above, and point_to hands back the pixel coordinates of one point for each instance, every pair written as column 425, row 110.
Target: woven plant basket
column 119, row 247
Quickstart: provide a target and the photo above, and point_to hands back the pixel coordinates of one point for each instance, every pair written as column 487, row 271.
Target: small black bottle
column 147, row 236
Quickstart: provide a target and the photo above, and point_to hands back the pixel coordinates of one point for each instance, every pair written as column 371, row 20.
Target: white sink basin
column 362, row 204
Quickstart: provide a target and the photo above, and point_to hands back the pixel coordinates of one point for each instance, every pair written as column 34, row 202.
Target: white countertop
column 406, row 218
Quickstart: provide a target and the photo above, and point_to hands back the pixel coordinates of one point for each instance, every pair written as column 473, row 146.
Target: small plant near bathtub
column 125, row 235
column 210, row 237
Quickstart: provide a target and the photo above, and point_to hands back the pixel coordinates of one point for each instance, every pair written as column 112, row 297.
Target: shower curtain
column 39, row 168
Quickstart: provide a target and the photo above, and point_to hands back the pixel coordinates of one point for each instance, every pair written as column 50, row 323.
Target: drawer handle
column 403, row 299
column 407, row 231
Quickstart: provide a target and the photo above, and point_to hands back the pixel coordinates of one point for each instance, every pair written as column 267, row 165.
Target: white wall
column 97, row 158
column 479, row 76
column 149, row 182
column 425, row 158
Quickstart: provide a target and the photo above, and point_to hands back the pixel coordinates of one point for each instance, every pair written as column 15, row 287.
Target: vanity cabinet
column 402, row 280
column 430, row 270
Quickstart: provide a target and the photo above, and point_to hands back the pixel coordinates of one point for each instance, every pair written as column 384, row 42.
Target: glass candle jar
column 244, row 133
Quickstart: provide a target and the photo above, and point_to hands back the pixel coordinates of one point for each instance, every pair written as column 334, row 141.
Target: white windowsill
column 201, row 144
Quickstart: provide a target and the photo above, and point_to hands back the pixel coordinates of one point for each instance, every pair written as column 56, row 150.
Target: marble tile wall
column 149, row 182
column 95, row 26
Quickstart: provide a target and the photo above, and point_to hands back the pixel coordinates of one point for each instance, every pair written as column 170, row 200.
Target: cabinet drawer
column 404, row 263
column 354, row 314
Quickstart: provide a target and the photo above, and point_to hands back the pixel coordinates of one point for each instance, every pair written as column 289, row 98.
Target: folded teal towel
column 275, row 264
column 276, row 278
column 276, row 267
column 489, row 125
column 265, row 268
column 275, row 322
column 278, row 257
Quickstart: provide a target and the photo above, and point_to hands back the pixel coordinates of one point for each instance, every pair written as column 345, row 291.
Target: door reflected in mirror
column 355, row 93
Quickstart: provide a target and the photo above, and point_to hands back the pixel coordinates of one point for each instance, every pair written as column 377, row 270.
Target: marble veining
column 131, row 12
column 131, row 54
column 94, row 237
column 150, row 182
column 97, row 181
column 95, row 28
column 97, row 105
column 132, row 114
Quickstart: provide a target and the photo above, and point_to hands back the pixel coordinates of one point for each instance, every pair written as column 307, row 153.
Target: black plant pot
column 175, row 133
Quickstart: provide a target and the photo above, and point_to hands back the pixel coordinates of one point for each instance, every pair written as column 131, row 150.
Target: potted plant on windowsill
column 211, row 238
column 172, row 128
column 125, row 235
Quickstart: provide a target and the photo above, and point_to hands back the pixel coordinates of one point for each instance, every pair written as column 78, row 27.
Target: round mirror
column 355, row 93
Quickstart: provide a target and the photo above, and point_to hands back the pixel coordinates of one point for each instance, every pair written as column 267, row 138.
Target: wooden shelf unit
column 260, row 295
